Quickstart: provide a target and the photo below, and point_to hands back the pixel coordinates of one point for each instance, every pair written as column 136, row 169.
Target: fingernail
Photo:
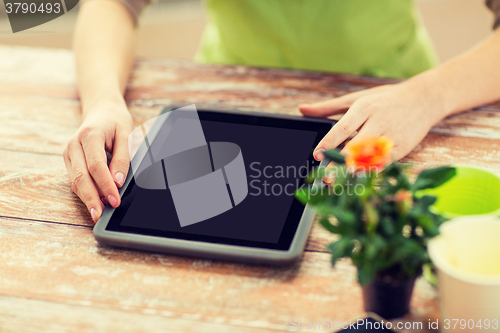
column 319, row 154
column 94, row 214
column 119, row 178
column 328, row 178
column 112, row 200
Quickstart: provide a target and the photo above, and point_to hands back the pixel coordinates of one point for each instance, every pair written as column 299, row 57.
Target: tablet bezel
column 210, row 247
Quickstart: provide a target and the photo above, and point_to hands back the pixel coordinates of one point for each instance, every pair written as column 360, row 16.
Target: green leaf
column 316, row 173
column 302, row 194
column 408, row 248
column 340, row 248
column 393, row 170
column 387, row 225
column 345, row 225
column 426, row 201
column 339, row 185
column 403, row 182
column 343, row 215
column 366, row 274
column 328, row 226
column 432, row 178
column 373, row 247
column 372, row 218
column 311, row 195
column 335, row 156
column 366, row 183
column 429, row 226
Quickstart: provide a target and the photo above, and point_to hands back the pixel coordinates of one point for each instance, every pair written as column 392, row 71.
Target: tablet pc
column 225, row 192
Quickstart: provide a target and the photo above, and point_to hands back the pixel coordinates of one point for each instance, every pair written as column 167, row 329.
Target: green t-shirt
column 382, row 38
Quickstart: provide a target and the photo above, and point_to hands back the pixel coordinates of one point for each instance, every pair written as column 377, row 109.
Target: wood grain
column 54, row 276
column 40, row 112
column 64, row 264
column 20, row 315
column 438, row 149
column 22, row 182
column 36, row 187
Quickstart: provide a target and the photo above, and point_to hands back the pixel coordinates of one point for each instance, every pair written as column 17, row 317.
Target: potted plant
column 383, row 223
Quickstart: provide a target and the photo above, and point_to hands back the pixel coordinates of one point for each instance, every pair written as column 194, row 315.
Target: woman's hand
column 105, row 129
column 404, row 112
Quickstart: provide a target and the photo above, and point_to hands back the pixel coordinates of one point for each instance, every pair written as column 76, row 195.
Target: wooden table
column 53, row 275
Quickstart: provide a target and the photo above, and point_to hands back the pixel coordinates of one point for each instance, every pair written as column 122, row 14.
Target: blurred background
column 172, row 28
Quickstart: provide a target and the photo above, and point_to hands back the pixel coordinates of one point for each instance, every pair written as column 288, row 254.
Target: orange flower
column 404, row 201
column 403, row 196
column 368, row 153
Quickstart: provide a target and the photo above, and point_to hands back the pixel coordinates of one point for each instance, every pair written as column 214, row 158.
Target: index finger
column 346, row 126
column 95, row 156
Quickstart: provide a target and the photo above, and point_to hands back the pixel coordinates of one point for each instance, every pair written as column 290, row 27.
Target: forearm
column 465, row 82
column 104, row 50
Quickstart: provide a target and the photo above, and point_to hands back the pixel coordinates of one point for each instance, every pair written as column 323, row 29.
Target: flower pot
column 389, row 298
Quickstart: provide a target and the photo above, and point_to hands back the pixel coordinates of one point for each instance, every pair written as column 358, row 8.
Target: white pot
column 467, row 256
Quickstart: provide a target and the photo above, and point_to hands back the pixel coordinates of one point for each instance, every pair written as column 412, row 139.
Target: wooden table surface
column 54, row 276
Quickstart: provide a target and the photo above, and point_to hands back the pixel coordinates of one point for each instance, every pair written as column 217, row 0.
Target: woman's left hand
column 404, row 112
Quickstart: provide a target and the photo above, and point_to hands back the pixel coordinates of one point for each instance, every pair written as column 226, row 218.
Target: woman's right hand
column 105, row 129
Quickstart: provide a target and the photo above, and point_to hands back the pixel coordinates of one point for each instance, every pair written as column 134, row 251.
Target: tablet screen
column 277, row 155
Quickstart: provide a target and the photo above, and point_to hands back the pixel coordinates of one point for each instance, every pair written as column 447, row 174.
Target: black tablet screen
column 277, row 155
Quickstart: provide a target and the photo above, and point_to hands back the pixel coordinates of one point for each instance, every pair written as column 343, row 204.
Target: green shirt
column 382, row 38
